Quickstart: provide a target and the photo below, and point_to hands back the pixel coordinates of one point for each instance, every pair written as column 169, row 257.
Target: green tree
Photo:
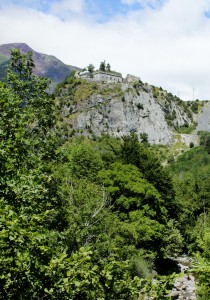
column 138, row 204
column 31, row 89
column 144, row 137
column 108, row 67
column 205, row 140
column 130, row 149
column 30, row 207
column 191, row 181
column 130, row 191
column 102, row 66
column 91, row 69
column 27, row 141
column 140, row 155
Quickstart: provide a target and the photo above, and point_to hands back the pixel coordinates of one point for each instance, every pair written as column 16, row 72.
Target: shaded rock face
column 118, row 115
column 46, row 65
column 204, row 119
column 120, row 118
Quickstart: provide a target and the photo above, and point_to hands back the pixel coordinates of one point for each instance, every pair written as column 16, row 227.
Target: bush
column 205, row 140
column 140, row 106
column 141, row 267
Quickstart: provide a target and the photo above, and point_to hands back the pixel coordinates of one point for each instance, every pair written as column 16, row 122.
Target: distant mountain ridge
column 46, row 65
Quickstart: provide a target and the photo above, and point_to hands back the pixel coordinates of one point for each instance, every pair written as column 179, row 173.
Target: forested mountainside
column 87, row 216
column 45, row 65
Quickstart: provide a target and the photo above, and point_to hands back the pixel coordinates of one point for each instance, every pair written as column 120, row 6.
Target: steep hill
column 46, row 65
column 95, row 108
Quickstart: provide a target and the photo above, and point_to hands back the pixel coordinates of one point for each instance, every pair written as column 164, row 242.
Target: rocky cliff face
column 203, row 119
column 120, row 115
column 118, row 109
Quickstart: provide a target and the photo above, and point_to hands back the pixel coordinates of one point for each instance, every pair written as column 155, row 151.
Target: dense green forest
column 86, row 218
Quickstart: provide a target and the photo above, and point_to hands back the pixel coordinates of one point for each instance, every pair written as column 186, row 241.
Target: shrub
column 140, row 106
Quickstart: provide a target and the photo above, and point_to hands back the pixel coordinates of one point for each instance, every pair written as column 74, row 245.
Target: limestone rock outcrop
column 129, row 107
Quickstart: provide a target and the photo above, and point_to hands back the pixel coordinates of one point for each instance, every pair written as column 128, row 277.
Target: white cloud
column 128, row 2
column 64, row 7
column 144, row 3
column 168, row 47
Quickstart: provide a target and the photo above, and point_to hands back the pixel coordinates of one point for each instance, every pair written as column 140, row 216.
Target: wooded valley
column 89, row 217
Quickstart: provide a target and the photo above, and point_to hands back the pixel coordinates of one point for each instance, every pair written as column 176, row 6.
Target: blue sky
column 165, row 42
column 106, row 8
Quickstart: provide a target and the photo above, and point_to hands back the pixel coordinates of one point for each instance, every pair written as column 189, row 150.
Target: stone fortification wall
column 103, row 76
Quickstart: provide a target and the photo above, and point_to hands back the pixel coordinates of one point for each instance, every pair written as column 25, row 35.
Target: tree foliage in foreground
column 41, row 256
column 85, row 219
column 191, row 180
